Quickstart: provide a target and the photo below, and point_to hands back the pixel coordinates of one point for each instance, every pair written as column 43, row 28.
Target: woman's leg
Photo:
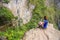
column 40, row 24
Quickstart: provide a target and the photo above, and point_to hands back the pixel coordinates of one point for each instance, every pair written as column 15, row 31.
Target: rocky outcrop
column 3, row 38
column 49, row 3
column 20, row 8
column 42, row 34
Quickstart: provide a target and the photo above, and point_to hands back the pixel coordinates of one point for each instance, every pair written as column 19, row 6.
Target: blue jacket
column 45, row 24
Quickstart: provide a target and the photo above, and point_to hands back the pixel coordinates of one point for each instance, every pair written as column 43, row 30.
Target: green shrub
column 6, row 1
column 5, row 15
column 37, row 14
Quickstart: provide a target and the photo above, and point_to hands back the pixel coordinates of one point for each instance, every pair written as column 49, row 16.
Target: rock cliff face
column 49, row 3
column 42, row 34
column 19, row 8
column 57, row 7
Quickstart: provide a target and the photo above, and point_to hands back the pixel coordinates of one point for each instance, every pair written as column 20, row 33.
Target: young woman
column 44, row 24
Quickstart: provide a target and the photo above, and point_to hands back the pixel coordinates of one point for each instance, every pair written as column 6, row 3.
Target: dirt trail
column 42, row 34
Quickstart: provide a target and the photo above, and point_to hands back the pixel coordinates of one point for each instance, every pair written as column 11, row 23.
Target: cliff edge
column 42, row 34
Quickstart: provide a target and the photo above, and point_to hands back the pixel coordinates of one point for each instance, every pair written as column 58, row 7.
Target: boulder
column 42, row 34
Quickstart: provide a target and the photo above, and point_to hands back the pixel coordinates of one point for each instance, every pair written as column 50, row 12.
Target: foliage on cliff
column 5, row 15
column 6, row 1
column 38, row 13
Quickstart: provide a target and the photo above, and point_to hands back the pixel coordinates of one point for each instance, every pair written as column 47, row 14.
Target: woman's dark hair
column 45, row 17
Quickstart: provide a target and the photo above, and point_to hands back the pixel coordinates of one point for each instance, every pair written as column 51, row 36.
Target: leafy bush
column 37, row 14
column 6, row 1
column 5, row 15
column 14, row 34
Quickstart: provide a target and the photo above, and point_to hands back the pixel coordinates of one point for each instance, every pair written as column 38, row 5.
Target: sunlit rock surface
column 42, row 34
column 20, row 8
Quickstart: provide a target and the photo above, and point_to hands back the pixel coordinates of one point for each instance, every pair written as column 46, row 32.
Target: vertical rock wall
column 49, row 3
column 19, row 8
